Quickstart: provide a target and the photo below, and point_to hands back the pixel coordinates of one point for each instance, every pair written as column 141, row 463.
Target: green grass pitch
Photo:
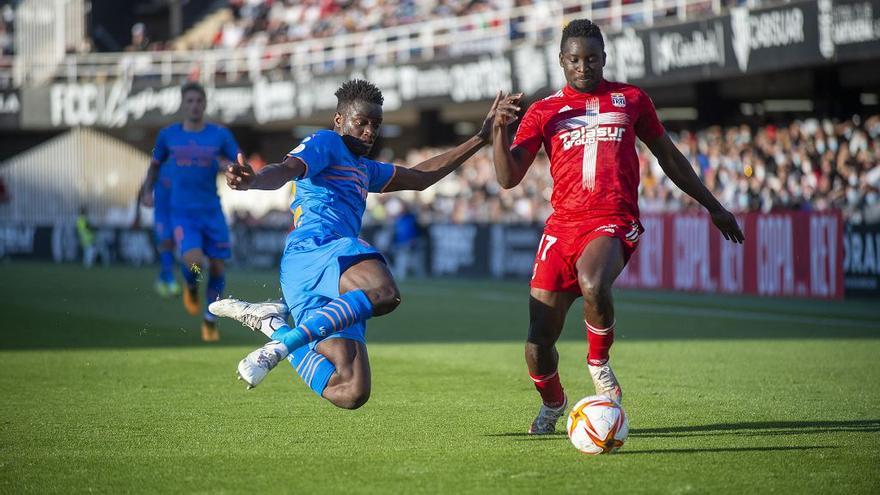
column 106, row 388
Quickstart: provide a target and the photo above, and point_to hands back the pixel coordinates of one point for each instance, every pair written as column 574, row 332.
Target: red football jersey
column 590, row 139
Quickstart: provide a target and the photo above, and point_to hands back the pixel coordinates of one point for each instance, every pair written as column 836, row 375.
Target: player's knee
column 385, row 299
column 594, row 292
column 538, row 339
column 353, row 398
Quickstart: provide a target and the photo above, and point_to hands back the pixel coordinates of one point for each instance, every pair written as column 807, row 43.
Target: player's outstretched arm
column 430, row 171
column 241, row 176
column 679, row 170
column 511, row 165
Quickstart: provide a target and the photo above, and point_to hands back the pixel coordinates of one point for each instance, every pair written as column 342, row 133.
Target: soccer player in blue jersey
column 331, row 280
column 192, row 151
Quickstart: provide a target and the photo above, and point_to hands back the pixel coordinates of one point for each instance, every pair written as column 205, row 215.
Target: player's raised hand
column 507, row 108
column 502, row 113
column 240, row 175
column 486, row 129
column 726, row 223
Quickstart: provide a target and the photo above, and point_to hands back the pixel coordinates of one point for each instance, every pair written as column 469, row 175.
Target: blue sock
column 190, row 276
column 313, row 367
column 166, row 266
column 338, row 314
column 213, row 292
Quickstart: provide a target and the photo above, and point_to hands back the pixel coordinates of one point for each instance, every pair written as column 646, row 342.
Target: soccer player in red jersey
column 589, row 131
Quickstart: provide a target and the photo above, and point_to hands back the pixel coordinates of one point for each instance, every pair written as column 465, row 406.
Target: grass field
column 106, row 388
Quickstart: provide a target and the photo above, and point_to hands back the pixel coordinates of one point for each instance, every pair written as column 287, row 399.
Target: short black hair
column 193, row 86
column 357, row 90
column 581, row 28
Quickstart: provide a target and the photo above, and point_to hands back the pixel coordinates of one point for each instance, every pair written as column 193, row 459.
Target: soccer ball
column 597, row 425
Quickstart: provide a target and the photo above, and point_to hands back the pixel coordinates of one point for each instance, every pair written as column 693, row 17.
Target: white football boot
column 545, row 422
column 256, row 365
column 605, row 382
column 261, row 317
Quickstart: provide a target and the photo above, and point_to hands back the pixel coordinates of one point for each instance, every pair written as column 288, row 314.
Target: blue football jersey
column 330, row 198
column 191, row 160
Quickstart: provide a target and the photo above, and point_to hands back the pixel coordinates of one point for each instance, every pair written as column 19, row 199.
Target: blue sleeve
column 318, row 151
column 161, row 150
column 229, row 148
column 381, row 174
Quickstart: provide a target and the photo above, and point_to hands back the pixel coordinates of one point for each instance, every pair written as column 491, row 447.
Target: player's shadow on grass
column 623, row 451
column 559, row 435
column 764, row 428
column 761, row 428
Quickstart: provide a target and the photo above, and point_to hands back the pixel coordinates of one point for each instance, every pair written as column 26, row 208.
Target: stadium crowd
column 806, row 165
column 272, row 21
column 265, row 22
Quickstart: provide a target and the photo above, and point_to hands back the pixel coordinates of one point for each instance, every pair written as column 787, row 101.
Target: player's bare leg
column 349, row 387
column 547, row 312
column 213, row 291
column 346, row 360
column 366, row 289
column 373, row 277
column 598, row 267
column 193, row 261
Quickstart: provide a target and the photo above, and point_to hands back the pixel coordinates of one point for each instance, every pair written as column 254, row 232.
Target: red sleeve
column 529, row 134
column 648, row 127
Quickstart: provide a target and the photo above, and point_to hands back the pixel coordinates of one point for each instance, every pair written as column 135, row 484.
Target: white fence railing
column 486, row 32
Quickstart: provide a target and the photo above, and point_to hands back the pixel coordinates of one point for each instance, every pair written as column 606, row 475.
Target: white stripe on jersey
column 591, row 147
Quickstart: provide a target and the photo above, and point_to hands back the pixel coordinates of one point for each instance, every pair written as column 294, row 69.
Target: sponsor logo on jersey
column 588, row 130
column 564, row 109
column 618, row 100
column 590, row 135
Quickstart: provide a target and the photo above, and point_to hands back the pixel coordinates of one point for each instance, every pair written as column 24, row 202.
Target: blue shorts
column 310, row 273
column 204, row 229
column 162, row 214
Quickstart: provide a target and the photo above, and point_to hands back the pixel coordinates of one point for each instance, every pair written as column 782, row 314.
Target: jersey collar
column 600, row 88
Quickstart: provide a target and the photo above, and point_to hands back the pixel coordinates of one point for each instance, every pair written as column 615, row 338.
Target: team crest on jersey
column 618, row 100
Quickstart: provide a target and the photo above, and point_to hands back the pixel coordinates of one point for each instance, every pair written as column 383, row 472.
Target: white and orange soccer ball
column 597, row 425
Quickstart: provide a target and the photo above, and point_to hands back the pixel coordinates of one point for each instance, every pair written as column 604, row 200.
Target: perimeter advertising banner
column 126, row 101
column 861, row 261
column 747, row 41
column 794, row 254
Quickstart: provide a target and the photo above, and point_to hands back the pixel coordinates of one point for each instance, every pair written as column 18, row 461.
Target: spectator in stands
column 139, row 39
